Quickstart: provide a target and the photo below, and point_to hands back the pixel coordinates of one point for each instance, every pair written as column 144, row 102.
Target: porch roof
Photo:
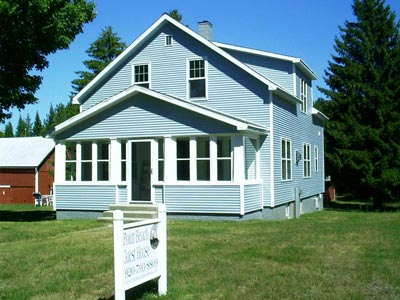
column 240, row 124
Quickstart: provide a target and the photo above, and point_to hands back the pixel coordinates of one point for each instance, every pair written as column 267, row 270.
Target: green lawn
column 325, row 255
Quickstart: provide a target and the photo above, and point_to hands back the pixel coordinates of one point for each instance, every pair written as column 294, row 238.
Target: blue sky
column 300, row 28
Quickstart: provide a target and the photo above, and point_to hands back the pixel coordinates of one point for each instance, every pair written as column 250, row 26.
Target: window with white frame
column 103, row 160
column 303, row 95
column 182, row 159
column 161, row 160
column 203, row 158
column 306, row 160
column 141, row 75
column 86, row 161
column 316, row 158
column 70, row 162
column 224, row 159
column 123, row 160
column 168, row 40
column 197, row 84
column 286, row 159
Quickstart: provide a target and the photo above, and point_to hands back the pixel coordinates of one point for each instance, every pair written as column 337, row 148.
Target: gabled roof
column 240, row 124
column 26, row 152
column 295, row 60
column 145, row 36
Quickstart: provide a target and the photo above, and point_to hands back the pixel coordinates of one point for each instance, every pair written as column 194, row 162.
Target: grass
column 325, row 255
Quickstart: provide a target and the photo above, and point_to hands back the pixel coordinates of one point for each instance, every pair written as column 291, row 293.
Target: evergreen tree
column 9, row 130
column 23, row 127
column 363, row 134
column 50, row 121
column 102, row 51
column 37, row 125
column 175, row 15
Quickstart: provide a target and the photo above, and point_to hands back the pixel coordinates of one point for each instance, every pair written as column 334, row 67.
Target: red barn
column 26, row 166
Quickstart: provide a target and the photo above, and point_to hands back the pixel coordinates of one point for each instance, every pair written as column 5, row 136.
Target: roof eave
column 319, row 115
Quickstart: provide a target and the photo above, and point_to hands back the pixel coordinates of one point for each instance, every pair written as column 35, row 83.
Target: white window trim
column 306, row 160
column 133, row 73
column 316, row 157
column 205, row 59
column 289, row 160
column 103, row 160
column 166, row 39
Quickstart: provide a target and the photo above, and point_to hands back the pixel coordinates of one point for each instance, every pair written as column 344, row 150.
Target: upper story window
column 307, row 160
column 168, row 40
column 303, row 95
column 197, row 79
column 141, row 75
column 286, row 159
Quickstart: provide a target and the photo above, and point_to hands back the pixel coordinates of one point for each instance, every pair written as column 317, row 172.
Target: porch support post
column 169, row 160
column 59, row 164
column 115, row 161
column 238, row 167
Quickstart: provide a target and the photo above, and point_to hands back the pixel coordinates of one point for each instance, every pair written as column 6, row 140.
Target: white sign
column 140, row 253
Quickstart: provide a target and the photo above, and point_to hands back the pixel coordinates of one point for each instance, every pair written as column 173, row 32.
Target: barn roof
column 26, row 152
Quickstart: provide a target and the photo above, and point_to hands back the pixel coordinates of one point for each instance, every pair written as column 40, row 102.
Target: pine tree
column 37, row 125
column 363, row 134
column 102, row 51
column 9, row 130
column 23, row 128
column 175, row 15
column 50, row 121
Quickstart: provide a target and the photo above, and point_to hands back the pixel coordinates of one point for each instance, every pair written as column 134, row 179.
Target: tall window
column 141, row 75
column 316, row 158
column 183, row 159
column 70, row 162
column 224, row 158
column 123, row 160
column 168, row 40
column 303, row 95
column 197, row 79
column 103, row 161
column 86, row 161
column 286, row 158
column 203, row 158
column 160, row 160
column 307, row 160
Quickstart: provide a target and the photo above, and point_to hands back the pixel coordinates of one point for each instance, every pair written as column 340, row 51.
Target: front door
column 140, row 171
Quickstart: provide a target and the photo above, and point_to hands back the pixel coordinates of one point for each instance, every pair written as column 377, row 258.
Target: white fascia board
column 319, row 114
column 239, row 124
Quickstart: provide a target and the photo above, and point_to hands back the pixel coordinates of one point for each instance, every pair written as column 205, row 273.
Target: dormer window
column 197, row 79
column 303, row 95
column 141, row 75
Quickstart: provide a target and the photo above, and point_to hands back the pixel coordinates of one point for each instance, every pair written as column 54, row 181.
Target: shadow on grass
column 139, row 292
column 358, row 206
column 26, row 216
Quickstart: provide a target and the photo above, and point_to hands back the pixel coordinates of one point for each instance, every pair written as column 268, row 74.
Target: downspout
column 36, row 180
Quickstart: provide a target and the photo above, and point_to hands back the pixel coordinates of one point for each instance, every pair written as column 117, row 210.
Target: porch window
column 70, row 162
column 183, row 159
column 161, row 160
column 203, row 158
column 197, row 79
column 123, row 160
column 103, row 161
column 307, row 160
column 224, row 158
column 86, row 161
column 286, row 159
column 141, row 75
